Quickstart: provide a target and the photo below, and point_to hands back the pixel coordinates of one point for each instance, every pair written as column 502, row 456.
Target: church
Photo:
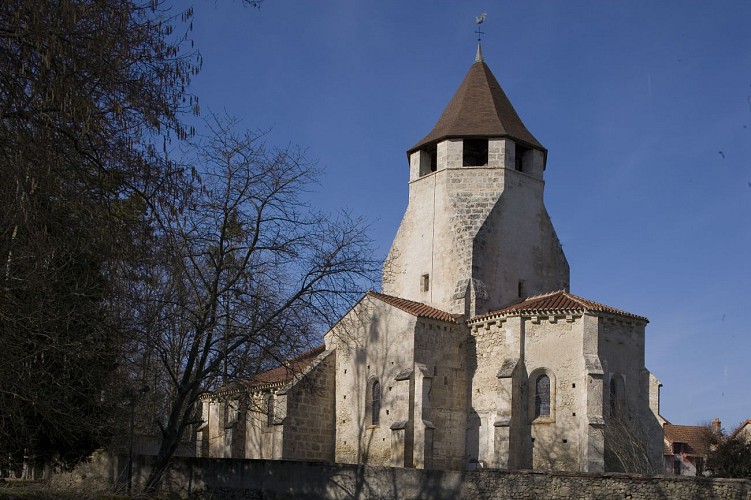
column 475, row 353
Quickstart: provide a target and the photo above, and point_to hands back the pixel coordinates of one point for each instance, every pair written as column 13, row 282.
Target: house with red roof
column 743, row 432
column 686, row 448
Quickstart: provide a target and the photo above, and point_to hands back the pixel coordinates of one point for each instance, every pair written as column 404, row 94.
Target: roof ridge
column 286, row 365
column 587, row 304
column 556, row 301
column 541, row 295
column 740, row 427
column 418, row 309
column 309, row 352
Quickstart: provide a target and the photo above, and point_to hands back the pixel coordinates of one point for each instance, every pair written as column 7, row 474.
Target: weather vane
column 479, row 20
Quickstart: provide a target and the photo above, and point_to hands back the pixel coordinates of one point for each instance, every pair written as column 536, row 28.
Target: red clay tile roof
column 560, row 302
column 695, row 436
column 276, row 376
column 416, row 308
column 479, row 108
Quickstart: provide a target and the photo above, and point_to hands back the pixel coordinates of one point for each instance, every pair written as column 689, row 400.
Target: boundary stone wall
column 230, row 478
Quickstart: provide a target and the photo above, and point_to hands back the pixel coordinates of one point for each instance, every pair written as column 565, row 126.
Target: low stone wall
column 227, row 478
column 99, row 474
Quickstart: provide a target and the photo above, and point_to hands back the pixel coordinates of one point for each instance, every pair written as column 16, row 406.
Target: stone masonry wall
column 309, row 423
column 476, row 232
column 442, row 403
column 374, row 342
column 227, row 478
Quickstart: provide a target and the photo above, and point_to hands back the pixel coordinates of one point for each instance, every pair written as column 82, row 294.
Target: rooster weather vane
column 479, row 20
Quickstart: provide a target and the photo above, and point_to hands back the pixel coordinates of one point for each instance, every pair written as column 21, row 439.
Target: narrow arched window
column 375, row 406
column 270, row 410
column 542, row 396
column 617, row 397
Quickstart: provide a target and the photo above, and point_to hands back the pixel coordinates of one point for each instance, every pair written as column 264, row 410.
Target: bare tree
column 628, row 446
column 243, row 274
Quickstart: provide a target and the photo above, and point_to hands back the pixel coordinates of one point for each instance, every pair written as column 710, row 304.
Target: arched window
column 269, row 410
column 542, row 396
column 617, row 396
column 375, row 403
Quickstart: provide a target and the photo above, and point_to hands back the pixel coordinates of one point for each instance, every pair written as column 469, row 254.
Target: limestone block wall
column 654, row 396
column 511, row 353
column 476, row 232
column 309, row 424
column 374, row 341
column 445, row 211
column 302, row 426
column 217, row 445
column 517, row 243
column 553, row 345
column 621, row 349
column 440, row 395
column 223, row 435
column 494, row 347
column 259, row 441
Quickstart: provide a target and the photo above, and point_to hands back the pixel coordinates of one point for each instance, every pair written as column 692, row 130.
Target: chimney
column 716, row 426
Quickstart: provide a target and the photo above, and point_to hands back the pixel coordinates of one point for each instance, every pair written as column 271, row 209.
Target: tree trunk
column 170, row 441
column 171, row 436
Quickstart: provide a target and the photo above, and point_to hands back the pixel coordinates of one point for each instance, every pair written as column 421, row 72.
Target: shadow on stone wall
column 230, row 478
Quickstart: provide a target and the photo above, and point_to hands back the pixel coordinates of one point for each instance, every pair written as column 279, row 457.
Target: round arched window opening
column 542, row 396
column 375, row 405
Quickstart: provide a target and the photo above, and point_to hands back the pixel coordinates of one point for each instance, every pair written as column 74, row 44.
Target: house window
column 475, row 152
column 375, row 407
column 424, row 282
column 269, row 410
column 677, row 467
column 520, row 152
column 542, row 396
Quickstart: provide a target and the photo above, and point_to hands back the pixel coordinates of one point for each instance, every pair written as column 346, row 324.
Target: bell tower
column 476, row 235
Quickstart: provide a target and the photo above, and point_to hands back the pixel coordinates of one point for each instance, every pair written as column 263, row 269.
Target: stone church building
column 475, row 354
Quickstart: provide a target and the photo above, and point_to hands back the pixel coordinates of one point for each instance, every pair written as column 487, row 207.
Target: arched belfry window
column 542, row 396
column 375, row 402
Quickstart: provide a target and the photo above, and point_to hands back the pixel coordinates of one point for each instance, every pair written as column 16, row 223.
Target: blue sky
column 645, row 108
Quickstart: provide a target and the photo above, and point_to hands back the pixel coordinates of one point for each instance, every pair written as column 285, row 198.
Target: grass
column 27, row 490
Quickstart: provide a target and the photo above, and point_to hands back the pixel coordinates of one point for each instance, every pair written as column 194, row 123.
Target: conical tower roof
column 479, row 108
